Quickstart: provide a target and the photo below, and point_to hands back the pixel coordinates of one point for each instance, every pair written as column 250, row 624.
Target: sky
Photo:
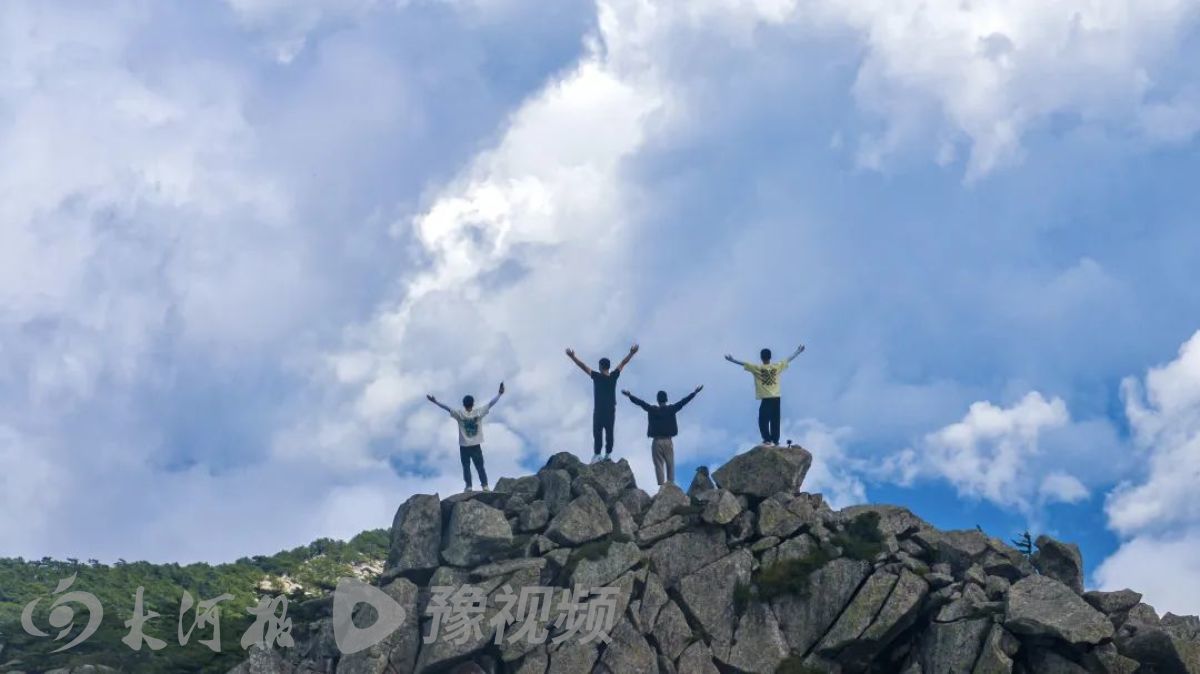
column 240, row 241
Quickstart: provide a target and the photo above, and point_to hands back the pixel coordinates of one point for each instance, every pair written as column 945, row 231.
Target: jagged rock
column 939, row 580
column 1004, row 561
column 397, row 652
column 701, row 482
column 623, row 522
column 584, row 519
column 721, row 508
column 893, row 520
column 996, row 588
column 1142, row 614
column 857, row 615
column 527, row 488
column 707, row 595
column 534, row 518
column 681, row 554
column 959, row 548
column 774, row 519
column 764, row 544
column 628, row 652
column 416, row 535
column 619, row 558
column 1162, row 652
column 654, row 597
column 1111, row 603
column 971, row 603
column 665, row 666
column 758, row 644
column 258, row 661
column 668, row 499
column 566, row 461
column 653, row 533
column 976, row 575
column 1181, row 626
column 534, row 662
column 476, row 532
column 1060, row 561
column 573, row 657
column 1045, row 661
column 556, row 488
column 804, row 619
column 1107, row 660
column 635, row 501
column 952, row 647
column 899, row 613
column 764, row 471
column 741, row 529
column 610, row 477
column 996, row 657
column 698, row 659
column 507, row 567
column 671, row 631
column 1042, row 606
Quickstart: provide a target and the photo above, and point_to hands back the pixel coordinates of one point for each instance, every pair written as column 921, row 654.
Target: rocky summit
column 743, row 573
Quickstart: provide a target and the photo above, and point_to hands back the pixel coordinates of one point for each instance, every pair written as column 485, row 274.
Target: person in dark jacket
column 661, row 427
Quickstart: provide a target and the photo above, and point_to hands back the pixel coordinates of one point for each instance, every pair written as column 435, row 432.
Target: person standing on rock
column 604, row 414
column 661, row 428
column 470, row 434
column 767, row 390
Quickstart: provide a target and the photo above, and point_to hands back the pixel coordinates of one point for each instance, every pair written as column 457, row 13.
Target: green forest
column 312, row 571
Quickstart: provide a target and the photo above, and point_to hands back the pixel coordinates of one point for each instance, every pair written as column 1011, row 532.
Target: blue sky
column 242, row 240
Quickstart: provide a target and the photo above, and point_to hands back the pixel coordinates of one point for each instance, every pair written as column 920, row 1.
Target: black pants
column 768, row 419
column 472, row 453
column 603, row 421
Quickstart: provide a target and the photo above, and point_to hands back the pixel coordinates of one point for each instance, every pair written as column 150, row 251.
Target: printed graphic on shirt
column 769, row 376
column 471, row 426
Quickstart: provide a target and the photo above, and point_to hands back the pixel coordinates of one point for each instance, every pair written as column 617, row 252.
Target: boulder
column 765, row 470
column 653, row 533
column 775, row 519
column 628, row 652
column 573, row 657
column 721, row 508
column 1157, row 649
column 758, row 643
column 475, row 534
column 707, row 595
column 697, row 659
column 566, row 461
column 398, row 650
column 1060, row 561
column 635, row 501
column 623, row 523
column 857, row 616
column 952, row 647
column 1110, row 603
column 654, row 598
column 893, row 520
column 800, row 547
column 671, row 631
column 528, row 487
column 595, row 573
column 584, row 519
column 804, row 618
column 609, row 478
column 556, row 489
column 1044, row 607
column 534, row 517
column 681, row 554
column 701, row 482
column 416, row 535
column 1046, row 661
column 996, row 657
column 668, row 499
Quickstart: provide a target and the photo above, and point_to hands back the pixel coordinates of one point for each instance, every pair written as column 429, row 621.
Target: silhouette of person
column 767, row 390
column 661, row 427
column 604, row 412
column 470, row 434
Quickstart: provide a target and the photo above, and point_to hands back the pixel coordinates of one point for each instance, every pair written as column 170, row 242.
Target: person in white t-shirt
column 470, row 434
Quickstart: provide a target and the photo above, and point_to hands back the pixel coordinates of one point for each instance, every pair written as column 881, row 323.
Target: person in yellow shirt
column 766, row 390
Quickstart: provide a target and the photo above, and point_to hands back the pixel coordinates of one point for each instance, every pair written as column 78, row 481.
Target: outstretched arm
column 571, row 354
column 688, row 398
column 629, row 356
column 635, row 400
column 733, row 360
column 799, row 350
column 433, row 400
column 497, row 398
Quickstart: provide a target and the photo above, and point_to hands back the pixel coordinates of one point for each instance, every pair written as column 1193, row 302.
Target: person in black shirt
column 660, row 428
column 604, row 414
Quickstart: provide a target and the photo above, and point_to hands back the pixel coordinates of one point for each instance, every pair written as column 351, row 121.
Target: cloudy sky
column 241, row 240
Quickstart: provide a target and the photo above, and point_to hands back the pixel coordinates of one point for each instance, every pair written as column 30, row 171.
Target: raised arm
column 571, row 354
column 799, row 350
column 433, row 400
column 629, row 356
column 497, row 398
column 733, row 360
column 635, row 400
column 688, row 398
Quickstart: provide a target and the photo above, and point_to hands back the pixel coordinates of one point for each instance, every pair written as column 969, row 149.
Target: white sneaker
column 485, row 487
column 468, row 489
column 596, row 458
column 608, row 458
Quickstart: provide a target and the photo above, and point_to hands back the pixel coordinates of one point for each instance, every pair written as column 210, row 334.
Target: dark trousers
column 602, row 424
column 768, row 419
column 472, row 453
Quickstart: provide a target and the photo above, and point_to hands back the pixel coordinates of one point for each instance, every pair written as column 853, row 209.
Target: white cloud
column 1157, row 514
